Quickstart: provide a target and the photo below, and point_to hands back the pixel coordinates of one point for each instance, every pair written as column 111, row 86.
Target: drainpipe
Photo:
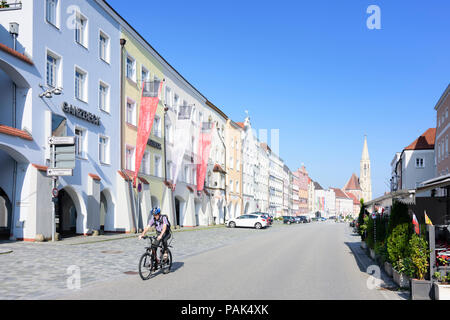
column 225, row 189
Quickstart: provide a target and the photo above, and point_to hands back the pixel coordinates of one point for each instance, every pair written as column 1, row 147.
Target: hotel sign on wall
column 80, row 113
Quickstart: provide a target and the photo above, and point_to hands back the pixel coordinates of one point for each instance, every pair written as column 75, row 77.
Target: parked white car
column 248, row 220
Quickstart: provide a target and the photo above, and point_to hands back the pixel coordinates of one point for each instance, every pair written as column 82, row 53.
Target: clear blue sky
column 313, row 70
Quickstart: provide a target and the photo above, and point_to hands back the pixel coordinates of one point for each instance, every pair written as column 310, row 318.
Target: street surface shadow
column 363, row 261
column 176, row 266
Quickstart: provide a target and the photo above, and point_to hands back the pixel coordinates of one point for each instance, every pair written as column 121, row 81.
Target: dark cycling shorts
column 164, row 239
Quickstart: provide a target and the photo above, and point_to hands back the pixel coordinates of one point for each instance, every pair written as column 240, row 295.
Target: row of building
column 77, row 68
column 420, row 174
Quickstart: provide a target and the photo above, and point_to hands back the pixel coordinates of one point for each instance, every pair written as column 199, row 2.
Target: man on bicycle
column 162, row 227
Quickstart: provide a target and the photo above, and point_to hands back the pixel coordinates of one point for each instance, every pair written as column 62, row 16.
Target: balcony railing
column 4, row 6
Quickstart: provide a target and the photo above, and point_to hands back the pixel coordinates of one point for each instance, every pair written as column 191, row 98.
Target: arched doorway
column 103, row 210
column 66, row 215
column 5, row 215
column 247, row 205
column 179, row 211
column 198, row 207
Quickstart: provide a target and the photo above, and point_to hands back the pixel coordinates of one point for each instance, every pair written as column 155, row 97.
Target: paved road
column 308, row 261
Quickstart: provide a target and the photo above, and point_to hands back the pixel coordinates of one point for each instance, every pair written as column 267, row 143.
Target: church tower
column 364, row 173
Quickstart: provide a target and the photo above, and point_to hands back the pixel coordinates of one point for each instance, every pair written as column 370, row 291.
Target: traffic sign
column 374, row 215
column 61, row 140
column 139, row 187
column 59, row 172
column 55, row 192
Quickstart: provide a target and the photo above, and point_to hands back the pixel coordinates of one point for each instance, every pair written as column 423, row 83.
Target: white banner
column 182, row 137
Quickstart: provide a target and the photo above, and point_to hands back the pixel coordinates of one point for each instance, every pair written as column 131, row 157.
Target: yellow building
column 233, row 168
column 139, row 65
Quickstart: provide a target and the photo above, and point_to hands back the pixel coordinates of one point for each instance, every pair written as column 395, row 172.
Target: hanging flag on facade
column 427, row 219
column 416, row 224
column 151, row 91
column 182, row 136
column 204, row 148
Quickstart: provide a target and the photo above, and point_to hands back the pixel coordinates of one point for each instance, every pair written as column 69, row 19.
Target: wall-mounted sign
column 80, row 113
column 154, row 144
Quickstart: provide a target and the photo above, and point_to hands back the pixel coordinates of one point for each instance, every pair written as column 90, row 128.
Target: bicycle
column 148, row 262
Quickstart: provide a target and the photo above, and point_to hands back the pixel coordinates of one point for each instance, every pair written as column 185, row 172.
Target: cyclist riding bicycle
column 163, row 232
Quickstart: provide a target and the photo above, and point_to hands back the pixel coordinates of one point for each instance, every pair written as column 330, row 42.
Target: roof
column 16, row 54
column 425, row 141
column 240, row 124
column 340, row 194
column 442, row 98
column 317, row 186
column 218, row 168
column 355, row 199
column 352, row 183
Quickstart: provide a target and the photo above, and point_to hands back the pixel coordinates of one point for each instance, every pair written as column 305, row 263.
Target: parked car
column 288, row 219
column 304, row 219
column 248, row 220
column 353, row 223
column 266, row 215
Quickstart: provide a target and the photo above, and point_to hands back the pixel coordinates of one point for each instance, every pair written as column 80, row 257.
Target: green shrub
column 369, row 238
column 381, row 250
column 399, row 215
column 397, row 246
column 419, row 253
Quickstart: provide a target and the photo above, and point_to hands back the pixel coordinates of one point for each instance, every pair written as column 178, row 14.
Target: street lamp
column 49, row 92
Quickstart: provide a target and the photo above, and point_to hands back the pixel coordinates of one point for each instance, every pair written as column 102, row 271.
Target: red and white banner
column 149, row 103
column 416, row 224
column 204, row 148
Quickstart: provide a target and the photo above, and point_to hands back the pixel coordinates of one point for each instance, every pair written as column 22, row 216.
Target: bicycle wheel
column 145, row 266
column 167, row 264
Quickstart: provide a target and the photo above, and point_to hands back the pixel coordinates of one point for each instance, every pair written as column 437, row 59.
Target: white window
column 168, row 97
column 131, row 112
column 194, row 176
column 145, row 165
column 53, row 70
column 103, row 149
column 231, row 162
column 51, row 11
column 168, row 133
column 176, row 101
column 145, row 75
column 156, row 129
column 232, row 186
column 81, row 30
column 169, row 170
column 186, row 174
column 420, row 163
column 446, row 146
column 158, row 166
column 129, row 158
column 103, row 96
column 80, row 84
column 80, row 142
column 103, row 46
column 131, row 68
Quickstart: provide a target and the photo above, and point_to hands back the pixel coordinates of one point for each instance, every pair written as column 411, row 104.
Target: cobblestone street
column 37, row 270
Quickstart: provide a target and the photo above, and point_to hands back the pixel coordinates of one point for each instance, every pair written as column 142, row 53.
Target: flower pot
column 400, row 279
column 388, row 268
column 421, row 289
column 363, row 245
column 441, row 291
column 372, row 254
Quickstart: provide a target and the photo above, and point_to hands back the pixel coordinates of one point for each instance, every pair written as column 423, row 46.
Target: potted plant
column 442, row 286
column 397, row 249
column 419, row 253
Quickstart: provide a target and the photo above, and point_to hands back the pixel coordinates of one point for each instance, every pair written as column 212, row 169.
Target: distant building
column 415, row 163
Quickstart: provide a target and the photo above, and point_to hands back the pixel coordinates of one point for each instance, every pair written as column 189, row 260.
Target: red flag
column 149, row 103
column 416, row 224
column 204, row 148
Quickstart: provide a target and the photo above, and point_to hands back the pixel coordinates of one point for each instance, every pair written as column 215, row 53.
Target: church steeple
column 364, row 174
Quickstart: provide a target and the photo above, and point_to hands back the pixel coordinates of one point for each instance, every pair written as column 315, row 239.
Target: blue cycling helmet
column 156, row 211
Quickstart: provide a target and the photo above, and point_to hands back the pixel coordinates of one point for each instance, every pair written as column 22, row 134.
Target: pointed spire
column 365, row 152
